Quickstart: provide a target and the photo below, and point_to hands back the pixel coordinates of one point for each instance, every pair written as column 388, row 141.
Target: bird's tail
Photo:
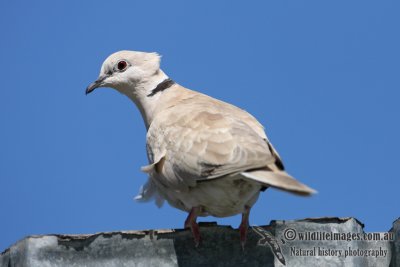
column 280, row 180
column 149, row 192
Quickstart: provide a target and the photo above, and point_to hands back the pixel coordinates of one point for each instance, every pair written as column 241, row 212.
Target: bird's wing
column 200, row 141
column 252, row 122
column 202, row 138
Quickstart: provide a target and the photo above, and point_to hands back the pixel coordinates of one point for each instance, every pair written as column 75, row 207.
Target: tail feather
column 280, row 180
column 149, row 192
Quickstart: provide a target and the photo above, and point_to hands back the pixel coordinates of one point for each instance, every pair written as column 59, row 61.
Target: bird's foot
column 194, row 227
column 244, row 226
column 243, row 234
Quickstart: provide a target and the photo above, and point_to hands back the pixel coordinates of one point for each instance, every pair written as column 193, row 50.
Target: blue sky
column 322, row 76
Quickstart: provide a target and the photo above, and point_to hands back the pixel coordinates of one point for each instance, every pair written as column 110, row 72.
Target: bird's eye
column 122, row 65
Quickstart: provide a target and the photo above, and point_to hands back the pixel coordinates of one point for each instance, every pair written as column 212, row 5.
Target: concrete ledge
column 273, row 245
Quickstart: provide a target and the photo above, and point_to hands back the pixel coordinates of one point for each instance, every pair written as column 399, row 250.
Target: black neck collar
column 167, row 83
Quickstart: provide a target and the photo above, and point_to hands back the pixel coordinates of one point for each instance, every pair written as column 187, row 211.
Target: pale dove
column 206, row 157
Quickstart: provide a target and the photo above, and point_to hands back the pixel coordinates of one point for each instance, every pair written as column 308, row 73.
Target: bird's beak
column 98, row 83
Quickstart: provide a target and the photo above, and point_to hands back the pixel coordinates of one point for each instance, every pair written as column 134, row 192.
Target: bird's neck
column 145, row 97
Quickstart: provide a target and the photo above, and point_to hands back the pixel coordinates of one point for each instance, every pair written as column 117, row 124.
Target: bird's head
column 125, row 69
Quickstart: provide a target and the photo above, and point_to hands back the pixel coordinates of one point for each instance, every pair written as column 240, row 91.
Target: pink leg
column 244, row 225
column 191, row 223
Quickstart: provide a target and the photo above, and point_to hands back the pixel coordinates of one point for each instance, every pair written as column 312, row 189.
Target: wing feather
column 205, row 143
column 201, row 138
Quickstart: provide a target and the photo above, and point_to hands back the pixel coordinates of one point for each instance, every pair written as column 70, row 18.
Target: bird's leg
column 192, row 224
column 244, row 225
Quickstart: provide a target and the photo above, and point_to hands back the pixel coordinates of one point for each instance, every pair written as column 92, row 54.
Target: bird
column 206, row 157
